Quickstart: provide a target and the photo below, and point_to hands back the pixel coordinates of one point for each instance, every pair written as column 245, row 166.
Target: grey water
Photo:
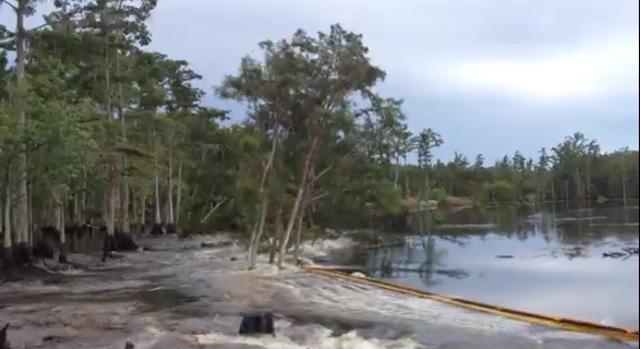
column 181, row 295
column 568, row 262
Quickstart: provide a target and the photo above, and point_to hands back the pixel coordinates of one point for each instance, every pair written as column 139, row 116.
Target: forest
column 97, row 130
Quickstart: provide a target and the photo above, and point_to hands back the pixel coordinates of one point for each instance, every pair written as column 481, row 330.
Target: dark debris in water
column 163, row 298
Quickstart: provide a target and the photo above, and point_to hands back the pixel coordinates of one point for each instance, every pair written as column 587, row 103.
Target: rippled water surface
column 572, row 263
column 184, row 296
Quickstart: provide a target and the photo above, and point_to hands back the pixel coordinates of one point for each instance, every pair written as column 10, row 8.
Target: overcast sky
column 492, row 76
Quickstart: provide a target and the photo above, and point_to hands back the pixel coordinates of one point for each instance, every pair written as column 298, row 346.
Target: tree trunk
column 624, row 189
column 253, row 250
column 157, row 198
column 578, row 186
column 396, row 176
column 30, row 224
column 125, row 222
column 83, row 201
column 296, row 205
column 170, row 220
column 553, row 190
column 57, row 195
column 110, row 200
column 143, row 209
column 7, row 247
column 256, row 232
column 298, row 237
column 125, row 199
column 277, row 232
column 75, row 220
column 21, row 213
column 566, row 192
column 134, row 208
column 588, row 189
column 58, row 208
column 178, row 193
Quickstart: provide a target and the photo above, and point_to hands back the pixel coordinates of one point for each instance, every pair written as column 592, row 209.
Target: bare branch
column 34, row 29
column 319, row 175
column 213, row 209
column 14, row 7
column 317, row 197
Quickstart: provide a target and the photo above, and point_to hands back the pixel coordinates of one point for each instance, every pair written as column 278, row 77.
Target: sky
column 491, row 76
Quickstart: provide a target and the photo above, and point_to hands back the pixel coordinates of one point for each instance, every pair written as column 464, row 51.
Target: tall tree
column 21, row 9
column 426, row 142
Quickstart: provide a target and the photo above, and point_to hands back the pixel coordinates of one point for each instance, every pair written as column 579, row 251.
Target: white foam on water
column 316, row 337
column 322, row 247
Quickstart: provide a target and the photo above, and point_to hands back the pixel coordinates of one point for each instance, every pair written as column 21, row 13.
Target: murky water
column 184, row 296
column 554, row 261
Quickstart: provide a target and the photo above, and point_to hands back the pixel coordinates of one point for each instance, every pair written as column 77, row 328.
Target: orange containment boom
column 550, row 321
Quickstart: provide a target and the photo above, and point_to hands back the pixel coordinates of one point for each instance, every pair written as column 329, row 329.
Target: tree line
column 95, row 128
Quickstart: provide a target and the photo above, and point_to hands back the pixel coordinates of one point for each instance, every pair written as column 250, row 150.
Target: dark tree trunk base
column 117, row 242
column 4, row 343
column 107, row 247
column 257, row 324
column 21, row 254
column 157, row 229
column 63, row 255
column 124, row 242
column 7, row 259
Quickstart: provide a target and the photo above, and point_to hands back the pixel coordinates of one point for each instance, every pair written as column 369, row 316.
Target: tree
column 567, row 159
column 426, row 141
column 479, row 163
column 592, row 153
column 542, row 167
column 303, row 88
column 21, row 9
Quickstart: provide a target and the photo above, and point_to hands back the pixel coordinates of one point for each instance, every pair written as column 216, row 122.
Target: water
column 550, row 261
column 183, row 296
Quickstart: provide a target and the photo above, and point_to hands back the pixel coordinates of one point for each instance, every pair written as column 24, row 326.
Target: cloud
column 491, row 76
column 598, row 70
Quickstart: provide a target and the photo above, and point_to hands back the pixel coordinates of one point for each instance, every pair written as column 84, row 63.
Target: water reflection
column 579, row 262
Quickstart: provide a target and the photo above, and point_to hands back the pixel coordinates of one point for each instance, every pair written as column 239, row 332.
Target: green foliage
column 502, row 191
column 101, row 109
column 437, row 194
